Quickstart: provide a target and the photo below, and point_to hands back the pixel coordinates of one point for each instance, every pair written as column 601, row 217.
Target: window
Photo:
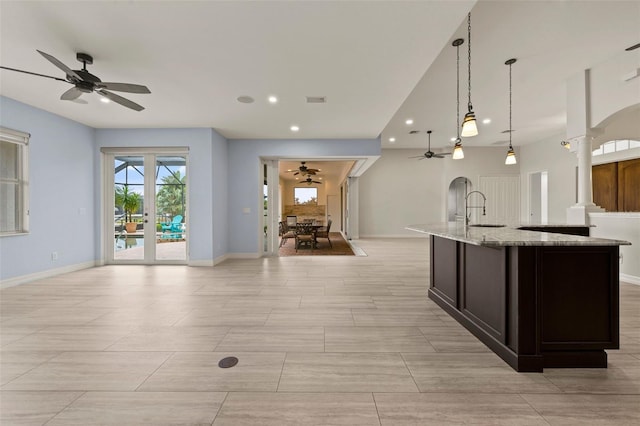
column 305, row 196
column 615, row 146
column 14, row 183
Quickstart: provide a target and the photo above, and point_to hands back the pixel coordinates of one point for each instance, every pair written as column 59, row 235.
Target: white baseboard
column 204, row 262
column 243, row 256
column 11, row 282
column 412, row 235
column 631, row 279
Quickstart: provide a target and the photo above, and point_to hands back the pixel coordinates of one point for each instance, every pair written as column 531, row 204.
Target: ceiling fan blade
column 71, row 94
column 120, row 100
column 418, row 156
column 124, row 87
column 34, row 73
column 63, row 67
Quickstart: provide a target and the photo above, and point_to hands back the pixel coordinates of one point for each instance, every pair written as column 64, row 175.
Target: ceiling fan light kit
column 85, row 82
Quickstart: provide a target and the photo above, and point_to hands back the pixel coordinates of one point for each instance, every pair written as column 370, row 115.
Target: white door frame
column 106, row 210
column 273, row 197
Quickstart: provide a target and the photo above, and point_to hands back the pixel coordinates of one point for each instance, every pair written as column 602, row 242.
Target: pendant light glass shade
column 458, row 153
column 511, row 155
column 469, row 126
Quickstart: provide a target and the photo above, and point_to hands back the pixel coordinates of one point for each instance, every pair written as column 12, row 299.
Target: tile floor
column 320, row 341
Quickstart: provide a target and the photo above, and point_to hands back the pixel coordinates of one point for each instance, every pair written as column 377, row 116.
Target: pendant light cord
column 458, row 91
column 510, row 128
column 469, row 55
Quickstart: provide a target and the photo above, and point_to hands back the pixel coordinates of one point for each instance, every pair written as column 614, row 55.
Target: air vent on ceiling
column 316, row 99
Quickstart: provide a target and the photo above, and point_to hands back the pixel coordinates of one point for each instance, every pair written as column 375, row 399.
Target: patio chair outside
column 174, row 226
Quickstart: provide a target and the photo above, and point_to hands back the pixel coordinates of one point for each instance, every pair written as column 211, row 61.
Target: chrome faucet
column 467, row 215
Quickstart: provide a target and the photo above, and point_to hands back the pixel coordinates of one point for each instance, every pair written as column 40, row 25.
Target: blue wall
column 200, row 177
column 65, row 182
column 245, row 188
column 62, row 199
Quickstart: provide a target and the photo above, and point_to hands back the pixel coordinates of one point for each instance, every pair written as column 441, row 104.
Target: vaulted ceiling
column 377, row 63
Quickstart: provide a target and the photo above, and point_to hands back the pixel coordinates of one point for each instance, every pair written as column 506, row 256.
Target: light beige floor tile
column 394, row 317
column 345, row 372
column 264, row 302
column 67, row 338
column 149, row 316
column 142, row 408
column 460, row 343
column 199, row 371
column 310, row 317
column 297, row 409
column 57, row 316
column 568, row 410
column 332, row 302
column 375, row 339
column 472, row 373
column 595, row 380
column 455, row 409
column 222, row 317
column 273, row 339
column 32, row 408
column 122, row 371
column 169, row 339
column 15, row 364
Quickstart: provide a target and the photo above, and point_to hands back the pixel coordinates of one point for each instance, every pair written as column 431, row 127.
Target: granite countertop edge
column 510, row 235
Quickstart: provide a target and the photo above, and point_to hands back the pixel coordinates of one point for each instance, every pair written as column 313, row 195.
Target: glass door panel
column 171, row 208
column 128, row 208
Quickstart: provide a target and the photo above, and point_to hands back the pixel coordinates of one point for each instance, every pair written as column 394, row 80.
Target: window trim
column 21, row 139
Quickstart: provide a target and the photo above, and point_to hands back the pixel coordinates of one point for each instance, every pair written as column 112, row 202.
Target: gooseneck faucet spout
column 467, row 206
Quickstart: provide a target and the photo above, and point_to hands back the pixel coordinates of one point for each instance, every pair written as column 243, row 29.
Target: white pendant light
column 469, row 126
column 511, row 154
column 458, row 153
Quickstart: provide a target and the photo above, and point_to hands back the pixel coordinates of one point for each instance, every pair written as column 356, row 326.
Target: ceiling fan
column 85, row 82
column 309, row 181
column 429, row 153
column 304, row 170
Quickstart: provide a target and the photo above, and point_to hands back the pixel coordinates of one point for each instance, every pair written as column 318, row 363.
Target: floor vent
column 228, row 362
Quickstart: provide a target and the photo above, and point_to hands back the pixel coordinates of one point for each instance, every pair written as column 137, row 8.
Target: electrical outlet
column 54, row 256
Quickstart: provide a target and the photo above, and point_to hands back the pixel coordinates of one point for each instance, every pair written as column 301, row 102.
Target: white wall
column 398, row 191
column 61, row 191
column 560, row 163
column 626, row 227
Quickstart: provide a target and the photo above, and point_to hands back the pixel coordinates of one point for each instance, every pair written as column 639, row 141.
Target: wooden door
column 605, row 186
column 629, row 185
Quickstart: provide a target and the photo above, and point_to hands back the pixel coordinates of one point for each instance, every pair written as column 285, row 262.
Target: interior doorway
column 538, row 197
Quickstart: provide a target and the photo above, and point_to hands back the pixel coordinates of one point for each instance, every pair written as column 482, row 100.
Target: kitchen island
column 537, row 298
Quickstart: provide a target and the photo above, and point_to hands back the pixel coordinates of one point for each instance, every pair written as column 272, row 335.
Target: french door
column 145, row 207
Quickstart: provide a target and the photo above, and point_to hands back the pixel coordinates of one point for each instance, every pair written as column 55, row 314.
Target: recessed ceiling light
column 104, row 100
column 392, row 140
column 245, row 99
column 486, row 121
column 289, row 170
column 296, row 178
column 453, row 139
column 409, row 122
column 320, row 178
column 273, row 99
column 294, row 128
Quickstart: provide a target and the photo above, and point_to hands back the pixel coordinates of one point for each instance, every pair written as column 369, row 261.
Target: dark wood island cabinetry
column 536, row 299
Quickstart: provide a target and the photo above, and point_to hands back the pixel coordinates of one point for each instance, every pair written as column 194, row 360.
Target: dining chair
column 324, row 232
column 305, row 234
column 285, row 232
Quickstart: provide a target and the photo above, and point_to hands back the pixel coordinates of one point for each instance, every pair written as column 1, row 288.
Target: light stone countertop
column 509, row 235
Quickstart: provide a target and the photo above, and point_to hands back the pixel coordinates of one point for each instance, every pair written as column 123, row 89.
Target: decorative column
column 579, row 213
